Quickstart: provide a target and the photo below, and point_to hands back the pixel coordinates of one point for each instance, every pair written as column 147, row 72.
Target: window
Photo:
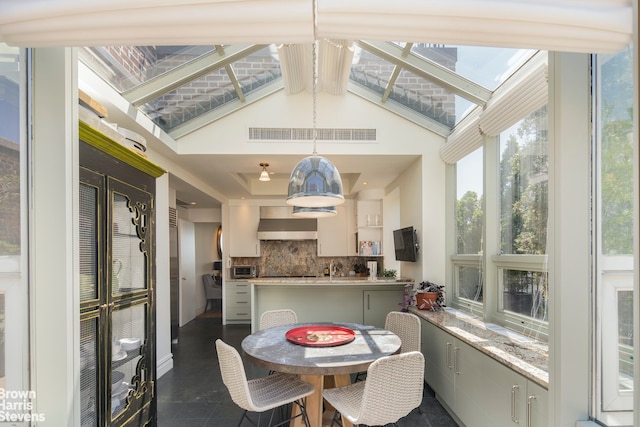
column 614, row 231
column 469, row 228
column 501, row 235
column 13, row 266
column 523, row 211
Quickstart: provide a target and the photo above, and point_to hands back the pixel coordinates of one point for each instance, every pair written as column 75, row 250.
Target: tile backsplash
column 299, row 258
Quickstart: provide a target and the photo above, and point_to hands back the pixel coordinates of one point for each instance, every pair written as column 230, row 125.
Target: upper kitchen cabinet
column 369, row 227
column 243, row 231
column 334, row 232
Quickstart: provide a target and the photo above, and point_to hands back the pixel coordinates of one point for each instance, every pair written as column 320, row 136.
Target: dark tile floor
column 192, row 393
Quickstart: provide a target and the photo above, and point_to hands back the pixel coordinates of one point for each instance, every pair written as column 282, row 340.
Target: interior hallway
column 192, row 393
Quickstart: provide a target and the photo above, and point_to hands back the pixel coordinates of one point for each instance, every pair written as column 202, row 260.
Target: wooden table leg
column 314, row 401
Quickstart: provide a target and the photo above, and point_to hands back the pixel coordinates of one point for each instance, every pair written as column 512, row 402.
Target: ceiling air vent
column 306, row 134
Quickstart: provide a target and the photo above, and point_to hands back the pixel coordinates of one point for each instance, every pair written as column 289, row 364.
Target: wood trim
column 107, row 145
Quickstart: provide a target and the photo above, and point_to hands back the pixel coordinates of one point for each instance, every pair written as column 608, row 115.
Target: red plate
column 320, row 335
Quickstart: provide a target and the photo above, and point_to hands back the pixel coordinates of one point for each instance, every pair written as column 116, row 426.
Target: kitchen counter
column 527, row 356
column 321, row 299
column 341, row 281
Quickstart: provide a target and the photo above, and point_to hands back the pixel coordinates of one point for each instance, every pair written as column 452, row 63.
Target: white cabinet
column 243, row 231
column 333, row 234
column 536, row 409
column 479, row 390
column 369, row 227
column 237, row 301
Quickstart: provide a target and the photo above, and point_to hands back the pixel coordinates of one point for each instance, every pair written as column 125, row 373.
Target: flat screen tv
column 405, row 242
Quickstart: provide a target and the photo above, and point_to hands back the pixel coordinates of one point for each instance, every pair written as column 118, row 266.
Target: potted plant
column 426, row 296
column 361, row 270
column 429, row 296
column 391, row 274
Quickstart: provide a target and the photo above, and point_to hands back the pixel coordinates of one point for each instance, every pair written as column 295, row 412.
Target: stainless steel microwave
column 244, row 271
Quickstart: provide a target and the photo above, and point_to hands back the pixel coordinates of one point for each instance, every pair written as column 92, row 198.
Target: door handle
column 449, row 365
column 530, row 400
column 456, row 350
column 514, row 392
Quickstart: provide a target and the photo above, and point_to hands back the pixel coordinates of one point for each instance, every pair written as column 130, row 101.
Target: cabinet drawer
column 239, row 313
column 239, row 303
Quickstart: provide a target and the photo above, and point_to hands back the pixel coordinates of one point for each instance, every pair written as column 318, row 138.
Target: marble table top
column 270, row 349
column 525, row 355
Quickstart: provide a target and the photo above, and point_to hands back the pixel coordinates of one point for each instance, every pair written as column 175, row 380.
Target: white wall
column 422, row 201
column 164, row 357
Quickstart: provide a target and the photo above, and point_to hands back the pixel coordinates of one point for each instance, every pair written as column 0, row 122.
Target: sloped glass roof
column 183, row 86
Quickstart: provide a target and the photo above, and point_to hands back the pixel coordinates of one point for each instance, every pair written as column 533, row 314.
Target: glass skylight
column 176, row 84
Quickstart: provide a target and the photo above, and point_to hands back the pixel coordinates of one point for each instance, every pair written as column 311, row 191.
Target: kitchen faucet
column 331, row 270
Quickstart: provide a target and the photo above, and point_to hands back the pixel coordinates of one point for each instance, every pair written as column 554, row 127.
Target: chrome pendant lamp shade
column 315, row 182
column 299, row 211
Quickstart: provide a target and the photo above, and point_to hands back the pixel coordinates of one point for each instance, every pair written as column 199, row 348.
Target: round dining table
column 321, row 364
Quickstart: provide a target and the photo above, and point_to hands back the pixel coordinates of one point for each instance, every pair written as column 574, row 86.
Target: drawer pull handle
column 530, row 400
column 514, row 391
column 456, row 350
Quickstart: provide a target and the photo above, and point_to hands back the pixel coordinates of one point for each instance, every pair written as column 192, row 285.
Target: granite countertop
column 523, row 354
column 354, row 281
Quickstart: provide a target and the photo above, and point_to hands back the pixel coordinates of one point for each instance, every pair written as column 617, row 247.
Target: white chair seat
column 393, row 388
column 260, row 394
column 269, row 392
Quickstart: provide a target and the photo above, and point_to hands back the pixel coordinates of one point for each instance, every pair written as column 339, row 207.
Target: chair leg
column 245, row 414
column 336, row 419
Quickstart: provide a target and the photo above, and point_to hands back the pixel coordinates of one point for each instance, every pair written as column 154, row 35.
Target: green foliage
column 389, row 273
column 616, row 156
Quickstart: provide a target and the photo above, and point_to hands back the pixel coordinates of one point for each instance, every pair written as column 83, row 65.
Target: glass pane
column 486, row 66
column 88, row 372
column 525, row 292
column 186, row 102
column 128, row 339
column 470, row 203
column 212, row 90
column 88, row 242
column 470, row 283
column 625, row 339
column 409, row 90
column 128, row 270
column 127, row 66
column 524, row 183
column 9, row 151
column 617, row 156
column 615, row 213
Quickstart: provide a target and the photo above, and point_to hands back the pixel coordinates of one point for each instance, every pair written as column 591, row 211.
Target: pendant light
column 315, row 182
column 323, row 212
column 264, row 175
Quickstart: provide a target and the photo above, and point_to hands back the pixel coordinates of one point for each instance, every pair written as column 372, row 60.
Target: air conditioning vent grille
column 306, row 134
column 173, row 217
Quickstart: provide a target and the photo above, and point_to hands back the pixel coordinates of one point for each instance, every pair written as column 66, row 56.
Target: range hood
column 277, row 223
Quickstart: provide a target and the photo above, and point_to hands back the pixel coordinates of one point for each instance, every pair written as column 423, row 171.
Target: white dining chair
column 392, row 389
column 280, row 317
column 407, row 327
column 261, row 394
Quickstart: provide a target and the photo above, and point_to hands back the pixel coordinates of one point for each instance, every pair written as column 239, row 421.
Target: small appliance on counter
column 373, row 269
column 244, row 271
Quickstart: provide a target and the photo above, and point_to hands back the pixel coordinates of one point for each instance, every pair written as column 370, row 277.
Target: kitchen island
column 340, row 299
